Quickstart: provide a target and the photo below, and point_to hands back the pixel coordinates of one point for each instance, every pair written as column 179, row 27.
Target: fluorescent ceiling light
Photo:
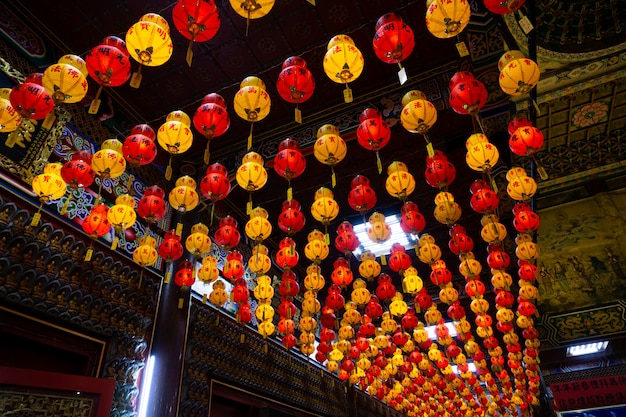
column 470, row 367
column 397, row 236
column 587, row 349
column 432, row 330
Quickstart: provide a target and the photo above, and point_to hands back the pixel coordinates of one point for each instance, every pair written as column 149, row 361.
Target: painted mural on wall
column 583, row 253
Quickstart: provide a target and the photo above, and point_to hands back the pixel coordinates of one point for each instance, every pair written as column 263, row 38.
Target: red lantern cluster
column 211, row 119
column 373, row 132
column 184, row 276
column 215, row 185
column 31, row 99
column 139, row 147
column 394, row 40
column 77, row 172
column 467, row 94
column 227, row 234
column 295, row 82
column 411, row 220
column 171, row 248
column 289, row 162
column 440, row 172
column 96, row 223
column 362, row 196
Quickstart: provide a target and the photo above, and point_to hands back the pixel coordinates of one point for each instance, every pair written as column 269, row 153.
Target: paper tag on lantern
column 312, row 2
column 94, row 106
column 542, row 173
column 36, row 218
column 168, row 276
column 333, row 180
column 49, row 120
column 383, row 259
column 289, row 194
column 249, row 208
column 114, row 243
column 179, row 229
column 206, row 156
column 64, row 208
column 430, row 150
column 242, row 338
column 525, row 24
column 189, row 55
column 347, row 95
column 402, row 75
column 204, row 298
column 265, row 346
column 168, row 172
column 462, row 49
column 135, row 80
column 327, row 238
column 181, row 302
column 379, row 164
column 88, row 255
column 298, row 116
column 249, row 141
column 129, row 184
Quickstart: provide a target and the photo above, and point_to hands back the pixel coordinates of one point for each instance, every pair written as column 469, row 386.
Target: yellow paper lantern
column 400, row 183
column 208, row 272
column 343, row 62
column 521, row 188
column 184, row 196
column 258, row 227
column 10, row 118
column 76, row 61
column 447, row 18
column 378, row 230
column 310, row 304
column 175, row 137
column 324, row 209
column 49, row 186
column 412, row 283
column 264, row 291
column 146, row 254
column 252, row 102
column 108, row 163
column 418, row 114
column 122, row 215
column 519, row 76
column 198, row 243
column 149, row 43
column 251, row 9
column 482, row 156
column 65, row 83
column 369, row 268
column 448, row 212
column 251, row 175
column 314, row 280
column 218, row 296
column 329, row 148
column 316, row 250
column 259, row 263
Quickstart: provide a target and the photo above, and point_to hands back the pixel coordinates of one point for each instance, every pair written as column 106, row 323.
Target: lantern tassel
column 248, row 22
column 298, row 115
column 116, row 240
column 206, row 152
column 212, row 213
column 189, row 55
column 37, row 216
column 249, row 204
column 95, row 103
column 89, row 253
column 129, row 184
column 540, row 169
column 379, row 163
column 66, row 204
column 250, row 136
column 477, row 118
column 168, row 170
column 135, row 80
column 333, row 177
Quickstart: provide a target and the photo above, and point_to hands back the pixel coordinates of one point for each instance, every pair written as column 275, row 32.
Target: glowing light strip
column 397, row 236
column 145, row 389
column 587, row 349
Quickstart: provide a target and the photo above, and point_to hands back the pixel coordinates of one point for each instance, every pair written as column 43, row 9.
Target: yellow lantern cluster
column 208, row 272
column 218, row 295
column 520, row 186
column 48, row 186
column 518, row 74
column 447, row 211
column 10, row 118
column 175, row 136
column 251, row 175
column 330, row 148
column 148, row 42
column 264, row 312
column 418, row 115
column 259, row 263
column 324, row 209
column 122, row 216
column 252, row 103
column 66, row 81
column 400, row 182
column 369, row 268
column 258, row 228
column 198, row 243
column 316, row 249
column 447, row 18
column 343, row 63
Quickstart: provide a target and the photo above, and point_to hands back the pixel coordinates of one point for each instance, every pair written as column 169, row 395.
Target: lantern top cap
column 412, row 96
column 157, row 20
column 252, row 81
column 339, row 39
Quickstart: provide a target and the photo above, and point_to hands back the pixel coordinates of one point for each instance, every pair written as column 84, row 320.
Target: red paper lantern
column 440, row 173
column 109, row 65
column 291, row 220
column 295, row 82
column 373, row 132
column 484, row 201
column 468, row 97
column 341, row 275
column 211, row 120
column 503, row 6
column 139, row 149
column 289, row 162
column 215, row 185
column 399, row 260
column 233, row 268
column 184, row 277
column 518, row 122
column 227, row 234
column 197, row 20
column 31, row 100
column 394, row 40
column 287, row 257
column 171, row 248
column 526, row 221
column 362, row 198
column 411, row 220
column 152, row 207
column 96, row 223
column 77, row 173
column 526, row 141
column 347, row 242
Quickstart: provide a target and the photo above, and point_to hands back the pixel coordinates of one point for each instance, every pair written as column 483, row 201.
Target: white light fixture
column 587, row 348
column 145, row 389
column 397, row 236
column 432, row 330
column 470, row 367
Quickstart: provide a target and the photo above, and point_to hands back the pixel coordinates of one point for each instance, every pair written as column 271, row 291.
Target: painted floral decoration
column 590, row 114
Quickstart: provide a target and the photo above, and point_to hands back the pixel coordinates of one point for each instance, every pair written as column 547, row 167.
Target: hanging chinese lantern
column 183, row 197
column 316, row 250
column 264, row 292
column 503, row 6
column 198, row 243
column 481, row 155
column 289, row 162
column 527, row 141
column 400, row 182
column 10, row 118
column 31, row 100
column 378, row 231
column 196, row 20
column 208, row 272
column 399, row 261
column 108, row 162
column 341, row 276
column 251, row 175
column 65, row 82
column 362, row 196
column 252, row 9
column 148, row 42
column 439, row 173
column 346, row 241
column 109, row 66
column 215, row 185
column 145, row 254
column 287, row 257
column 48, row 186
column 252, row 103
column 521, row 187
column 447, row 18
column 295, row 83
column 258, row 228
column 394, row 41
column 175, row 136
column 170, row 249
column 77, row 173
column 330, row 148
column 152, row 207
column 468, row 97
column 227, row 234
column 139, row 148
column 218, row 296
column 259, row 263
column 369, row 268
column 411, row 220
column 121, row 216
column 184, row 277
column 96, row 225
column 343, row 63
column 233, row 267
column 291, row 220
column 373, row 133
column 418, row 115
column 519, row 76
column 211, row 119
column 324, row 209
